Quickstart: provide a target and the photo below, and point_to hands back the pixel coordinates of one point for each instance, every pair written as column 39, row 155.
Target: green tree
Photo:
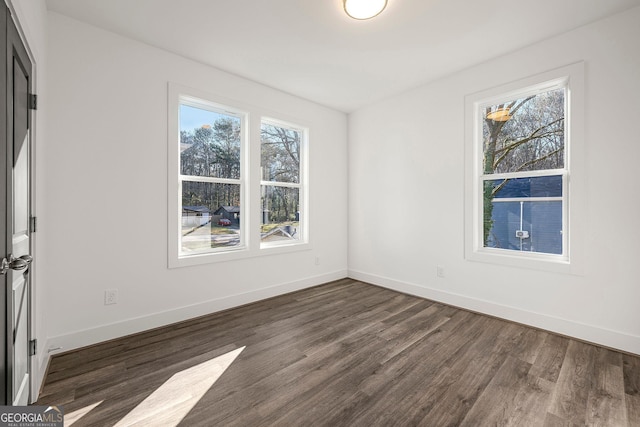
column 211, row 151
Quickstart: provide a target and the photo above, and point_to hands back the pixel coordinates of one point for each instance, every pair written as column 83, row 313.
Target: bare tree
column 526, row 134
column 280, row 154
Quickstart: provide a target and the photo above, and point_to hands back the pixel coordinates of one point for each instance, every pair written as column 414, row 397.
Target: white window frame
column 250, row 179
column 301, row 185
column 571, row 78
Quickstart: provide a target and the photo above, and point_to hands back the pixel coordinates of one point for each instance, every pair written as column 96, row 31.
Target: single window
column 282, row 183
column 525, row 176
column 523, row 157
column 210, row 178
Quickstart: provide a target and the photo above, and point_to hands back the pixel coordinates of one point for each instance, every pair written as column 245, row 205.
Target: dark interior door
column 15, row 196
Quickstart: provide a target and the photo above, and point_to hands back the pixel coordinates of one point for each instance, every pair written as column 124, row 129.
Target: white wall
column 31, row 17
column 406, row 186
column 107, row 160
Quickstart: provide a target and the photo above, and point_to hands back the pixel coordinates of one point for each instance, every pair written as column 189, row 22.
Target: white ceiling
column 310, row 48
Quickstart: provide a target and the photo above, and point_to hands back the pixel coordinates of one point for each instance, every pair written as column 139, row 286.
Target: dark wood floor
column 345, row 354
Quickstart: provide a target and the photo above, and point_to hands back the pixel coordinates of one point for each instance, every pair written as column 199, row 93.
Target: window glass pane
column 280, row 153
column 280, row 214
column 532, row 226
column 525, row 134
column 209, row 143
column 523, row 225
column 210, row 216
column 543, row 186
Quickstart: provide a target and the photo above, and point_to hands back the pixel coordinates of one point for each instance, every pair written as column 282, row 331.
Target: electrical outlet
column 110, row 296
column 440, row 271
column 317, row 260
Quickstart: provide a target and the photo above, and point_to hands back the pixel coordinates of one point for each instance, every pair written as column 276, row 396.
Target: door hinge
column 33, row 224
column 33, row 346
column 33, row 101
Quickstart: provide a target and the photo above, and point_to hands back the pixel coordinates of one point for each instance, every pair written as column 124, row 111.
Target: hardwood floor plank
column 631, row 371
column 633, row 409
column 422, row 382
column 97, row 376
column 136, row 385
column 512, row 398
column 478, row 365
column 414, row 309
column 346, row 354
column 555, row 421
column 606, row 401
column 305, row 380
column 550, row 357
column 570, row 397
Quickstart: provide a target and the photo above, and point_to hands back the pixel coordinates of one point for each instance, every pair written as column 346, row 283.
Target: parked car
column 224, row 222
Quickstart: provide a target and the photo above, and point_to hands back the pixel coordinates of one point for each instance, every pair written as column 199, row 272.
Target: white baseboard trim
column 86, row 337
column 590, row 333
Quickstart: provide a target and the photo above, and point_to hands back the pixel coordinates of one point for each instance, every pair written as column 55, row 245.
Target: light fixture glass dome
column 364, row 9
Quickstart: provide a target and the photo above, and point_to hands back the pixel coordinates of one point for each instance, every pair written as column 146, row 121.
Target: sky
column 191, row 117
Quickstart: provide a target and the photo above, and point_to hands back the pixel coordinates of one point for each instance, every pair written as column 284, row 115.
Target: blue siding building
column 527, row 215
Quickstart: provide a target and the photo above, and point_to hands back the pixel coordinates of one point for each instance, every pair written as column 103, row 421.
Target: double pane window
column 281, row 183
column 524, row 173
column 210, row 177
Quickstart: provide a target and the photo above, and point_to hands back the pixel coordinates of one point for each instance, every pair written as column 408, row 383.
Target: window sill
column 236, row 254
column 534, row 261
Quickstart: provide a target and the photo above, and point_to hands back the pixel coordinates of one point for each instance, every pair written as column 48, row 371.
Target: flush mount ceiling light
column 364, row 9
column 501, row 114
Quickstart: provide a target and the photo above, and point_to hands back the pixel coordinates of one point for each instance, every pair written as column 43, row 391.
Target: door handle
column 27, row 258
column 15, row 263
column 18, row 264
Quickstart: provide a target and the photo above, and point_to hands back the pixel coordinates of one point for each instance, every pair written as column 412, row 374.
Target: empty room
column 327, row 213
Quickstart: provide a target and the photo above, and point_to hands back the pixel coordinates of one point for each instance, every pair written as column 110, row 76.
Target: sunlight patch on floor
column 72, row 417
column 173, row 400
